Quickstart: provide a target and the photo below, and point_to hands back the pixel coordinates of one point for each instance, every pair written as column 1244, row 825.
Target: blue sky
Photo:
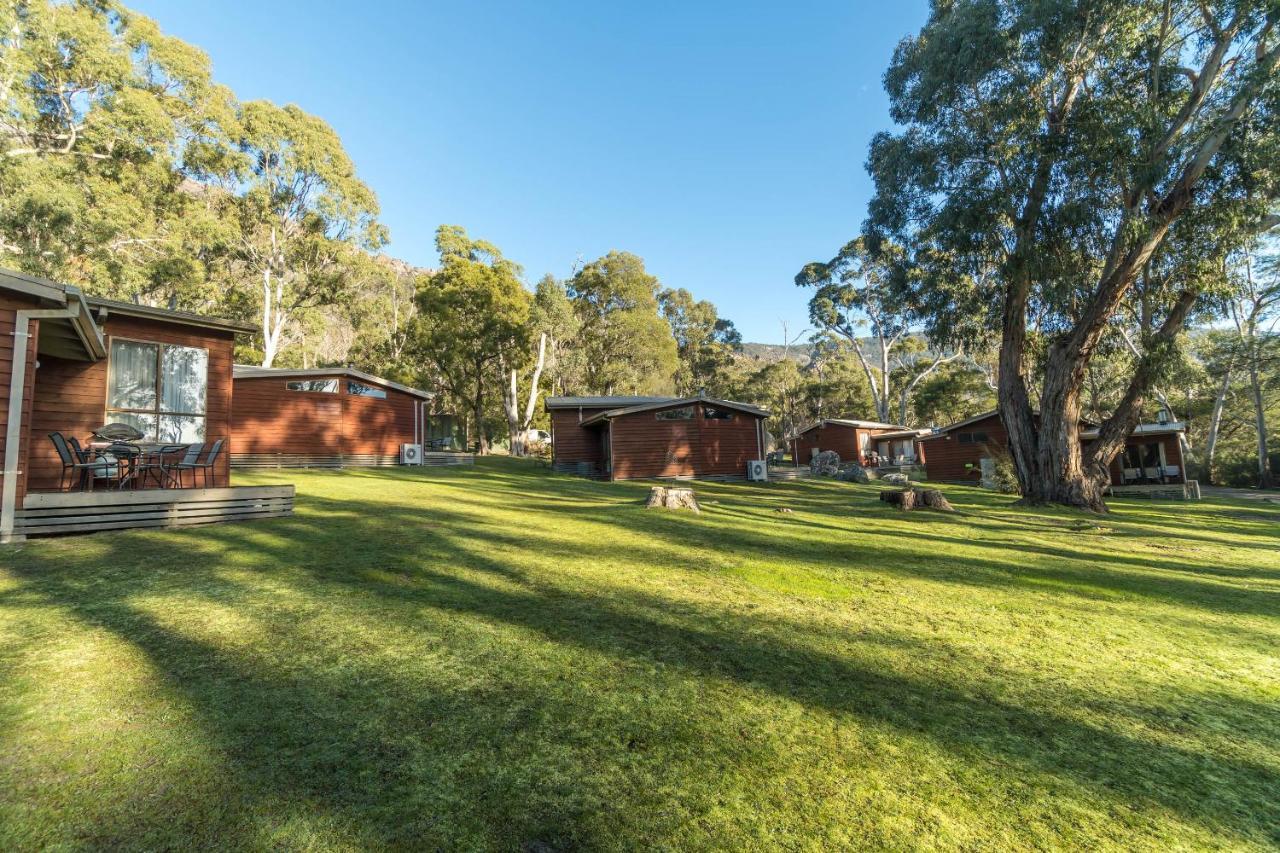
column 723, row 143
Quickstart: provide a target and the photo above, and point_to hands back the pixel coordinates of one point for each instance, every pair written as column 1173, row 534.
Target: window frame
column 692, row 414
column 289, row 383
column 722, row 413
column 381, row 393
column 156, row 412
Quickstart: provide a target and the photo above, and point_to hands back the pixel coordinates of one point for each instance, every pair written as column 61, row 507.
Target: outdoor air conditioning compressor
column 757, row 471
column 411, row 454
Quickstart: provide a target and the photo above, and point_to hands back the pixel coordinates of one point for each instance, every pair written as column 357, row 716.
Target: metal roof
column 905, row 433
column 250, row 371
column 1146, row 429
column 76, row 336
column 973, row 420
column 599, row 402
column 186, row 318
column 851, row 422
column 677, row 401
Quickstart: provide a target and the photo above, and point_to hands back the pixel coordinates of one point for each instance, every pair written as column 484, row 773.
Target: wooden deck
column 250, row 461
column 45, row 514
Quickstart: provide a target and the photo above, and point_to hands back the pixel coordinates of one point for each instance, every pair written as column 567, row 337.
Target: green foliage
column 954, row 393
column 472, row 314
column 627, row 346
column 705, row 343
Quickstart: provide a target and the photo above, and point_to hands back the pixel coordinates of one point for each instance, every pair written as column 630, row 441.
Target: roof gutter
column 17, row 387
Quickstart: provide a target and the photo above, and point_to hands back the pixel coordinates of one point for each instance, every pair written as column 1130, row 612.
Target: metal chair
column 188, row 462
column 206, row 465
column 74, row 462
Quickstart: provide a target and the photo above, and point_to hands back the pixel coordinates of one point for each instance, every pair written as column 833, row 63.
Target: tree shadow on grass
column 382, row 768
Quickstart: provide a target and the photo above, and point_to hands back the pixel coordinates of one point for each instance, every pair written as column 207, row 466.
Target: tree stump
column 671, row 497
column 909, row 499
column 903, row 499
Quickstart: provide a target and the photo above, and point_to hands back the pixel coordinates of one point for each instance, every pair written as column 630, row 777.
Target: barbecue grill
column 119, row 432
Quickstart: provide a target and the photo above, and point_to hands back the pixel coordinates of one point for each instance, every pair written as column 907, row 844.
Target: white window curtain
column 133, row 375
column 177, row 413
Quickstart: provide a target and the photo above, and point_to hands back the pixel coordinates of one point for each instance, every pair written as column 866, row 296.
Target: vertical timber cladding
column 11, row 337
column 956, row 462
column 575, row 447
column 71, row 396
column 844, row 438
column 645, row 447
column 270, row 418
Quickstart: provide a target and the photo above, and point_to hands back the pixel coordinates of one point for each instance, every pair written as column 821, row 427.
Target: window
column 979, row 438
column 320, row 386
column 684, row 413
column 972, row 437
column 965, row 437
column 359, row 389
column 158, row 388
column 712, row 413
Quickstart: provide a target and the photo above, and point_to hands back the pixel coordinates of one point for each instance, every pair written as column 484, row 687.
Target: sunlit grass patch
column 495, row 657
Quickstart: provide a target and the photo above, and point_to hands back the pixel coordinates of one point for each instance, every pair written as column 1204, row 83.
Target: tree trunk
column 1265, row 480
column 1215, row 425
column 482, row 442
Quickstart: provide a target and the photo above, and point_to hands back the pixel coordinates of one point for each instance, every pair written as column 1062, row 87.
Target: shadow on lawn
column 432, row 767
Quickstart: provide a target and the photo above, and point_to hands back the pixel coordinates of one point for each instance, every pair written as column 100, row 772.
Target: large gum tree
column 1049, row 155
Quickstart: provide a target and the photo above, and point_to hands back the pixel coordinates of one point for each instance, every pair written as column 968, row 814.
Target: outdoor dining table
column 149, row 458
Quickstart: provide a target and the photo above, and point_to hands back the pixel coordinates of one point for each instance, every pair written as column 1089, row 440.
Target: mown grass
column 502, row 659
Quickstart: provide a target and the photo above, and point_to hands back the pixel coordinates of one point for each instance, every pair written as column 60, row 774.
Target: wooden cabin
column 1152, row 456
column 629, row 438
column 869, row 443
column 72, row 364
column 334, row 417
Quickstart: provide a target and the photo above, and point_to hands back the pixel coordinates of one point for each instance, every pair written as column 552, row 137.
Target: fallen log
column 670, row 497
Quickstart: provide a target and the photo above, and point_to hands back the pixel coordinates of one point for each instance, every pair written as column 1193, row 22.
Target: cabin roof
column 666, row 402
column 599, row 402
column 851, row 422
column 906, row 433
column 107, row 307
column 958, row 424
column 251, row 371
column 1145, row 429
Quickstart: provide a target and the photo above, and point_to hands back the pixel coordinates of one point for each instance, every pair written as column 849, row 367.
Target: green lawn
column 499, row 658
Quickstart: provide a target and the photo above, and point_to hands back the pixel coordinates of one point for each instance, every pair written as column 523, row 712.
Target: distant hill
column 776, row 352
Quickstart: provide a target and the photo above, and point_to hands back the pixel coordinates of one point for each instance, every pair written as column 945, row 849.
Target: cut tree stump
column 909, row 499
column 671, row 497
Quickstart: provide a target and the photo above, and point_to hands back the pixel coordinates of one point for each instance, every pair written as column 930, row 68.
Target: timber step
column 788, row 473
column 89, row 512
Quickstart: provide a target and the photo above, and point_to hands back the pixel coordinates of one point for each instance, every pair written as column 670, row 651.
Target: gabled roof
column 958, row 424
column 1146, row 429
column 107, row 307
column 906, row 433
column 249, row 371
column 852, row 423
column 76, row 336
column 666, row 402
column 599, row 402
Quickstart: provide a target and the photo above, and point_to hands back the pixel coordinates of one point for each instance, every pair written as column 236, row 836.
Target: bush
column 1004, row 477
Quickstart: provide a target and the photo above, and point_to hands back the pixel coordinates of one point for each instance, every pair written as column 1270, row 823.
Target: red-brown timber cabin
column 324, row 417
column 1152, row 452
column 860, row 441
column 70, row 363
column 635, row 438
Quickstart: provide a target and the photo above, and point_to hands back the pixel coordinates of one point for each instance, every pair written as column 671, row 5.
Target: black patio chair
column 124, row 464
column 188, row 462
column 73, row 465
column 156, row 464
column 205, row 465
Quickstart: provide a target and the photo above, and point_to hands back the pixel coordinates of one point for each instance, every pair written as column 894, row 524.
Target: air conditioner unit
column 757, row 471
column 411, row 454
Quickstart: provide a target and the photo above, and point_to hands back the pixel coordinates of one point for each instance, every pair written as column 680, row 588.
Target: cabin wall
column 10, row 305
column 268, row 418
column 71, row 396
column 1172, row 455
column 952, row 462
column 844, row 439
column 572, row 446
column 645, row 447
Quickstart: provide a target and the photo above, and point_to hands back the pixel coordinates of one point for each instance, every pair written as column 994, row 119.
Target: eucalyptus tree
column 472, row 321
column 856, row 292
column 705, row 342
column 626, row 345
column 103, row 118
column 302, row 216
column 1061, row 146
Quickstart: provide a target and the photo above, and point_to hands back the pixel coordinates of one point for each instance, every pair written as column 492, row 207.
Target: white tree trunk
column 1215, row 423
